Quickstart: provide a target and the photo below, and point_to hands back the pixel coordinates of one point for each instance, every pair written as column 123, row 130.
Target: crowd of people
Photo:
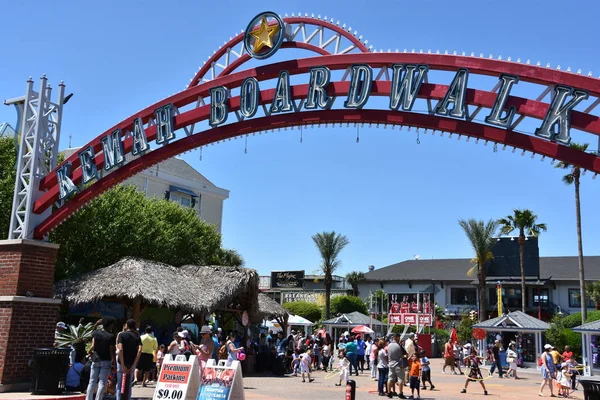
column 559, row 370
column 128, row 357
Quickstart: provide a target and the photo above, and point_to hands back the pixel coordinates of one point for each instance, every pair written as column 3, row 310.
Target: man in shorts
column 396, row 355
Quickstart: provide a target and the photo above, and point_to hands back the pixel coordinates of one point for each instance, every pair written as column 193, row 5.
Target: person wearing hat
column 496, row 355
column 205, row 349
column 548, row 370
column 60, row 328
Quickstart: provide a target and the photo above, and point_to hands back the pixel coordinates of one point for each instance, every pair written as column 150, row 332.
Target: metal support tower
column 39, row 130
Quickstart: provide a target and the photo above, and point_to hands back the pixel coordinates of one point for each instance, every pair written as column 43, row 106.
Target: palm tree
column 229, row 258
column 573, row 179
column 330, row 245
column 592, row 290
column 482, row 238
column 525, row 222
column 354, row 278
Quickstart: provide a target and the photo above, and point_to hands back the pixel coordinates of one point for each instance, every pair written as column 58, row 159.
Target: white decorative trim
column 25, row 299
column 12, row 242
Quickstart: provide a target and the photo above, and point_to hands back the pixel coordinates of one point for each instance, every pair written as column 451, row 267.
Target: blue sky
column 392, row 197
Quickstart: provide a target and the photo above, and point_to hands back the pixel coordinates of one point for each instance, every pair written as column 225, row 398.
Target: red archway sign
column 479, row 333
column 225, row 101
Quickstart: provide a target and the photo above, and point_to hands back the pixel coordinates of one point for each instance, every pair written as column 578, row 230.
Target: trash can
column 50, row 367
column 591, row 387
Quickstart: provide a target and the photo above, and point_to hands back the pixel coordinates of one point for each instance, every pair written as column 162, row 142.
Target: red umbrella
column 453, row 335
column 363, row 329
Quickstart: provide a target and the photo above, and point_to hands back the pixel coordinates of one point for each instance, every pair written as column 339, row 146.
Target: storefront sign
column 405, row 83
column 311, row 297
column 178, row 380
column 287, row 279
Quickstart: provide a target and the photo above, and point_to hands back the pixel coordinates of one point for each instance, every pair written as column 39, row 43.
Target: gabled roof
column 593, row 326
column 455, row 269
column 6, row 130
column 515, row 321
column 352, row 319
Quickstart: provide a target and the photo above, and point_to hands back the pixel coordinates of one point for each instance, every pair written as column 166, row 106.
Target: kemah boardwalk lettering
column 263, row 98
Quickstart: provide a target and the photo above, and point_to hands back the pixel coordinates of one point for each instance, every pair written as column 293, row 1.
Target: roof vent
column 417, row 256
column 371, row 268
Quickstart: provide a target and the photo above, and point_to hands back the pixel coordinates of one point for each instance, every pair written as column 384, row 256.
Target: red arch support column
column 28, row 312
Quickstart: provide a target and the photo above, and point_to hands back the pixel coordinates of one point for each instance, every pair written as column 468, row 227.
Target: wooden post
column 137, row 310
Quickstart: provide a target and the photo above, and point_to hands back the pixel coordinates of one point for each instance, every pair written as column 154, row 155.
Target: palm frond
column 75, row 334
column 482, row 237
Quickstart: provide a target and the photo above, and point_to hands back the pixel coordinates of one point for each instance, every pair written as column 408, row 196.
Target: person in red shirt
column 567, row 354
column 395, row 306
column 405, row 305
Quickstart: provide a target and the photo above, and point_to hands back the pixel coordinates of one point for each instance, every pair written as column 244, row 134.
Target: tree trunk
column 576, row 173
column 522, row 263
column 481, row 292
column 327, row 295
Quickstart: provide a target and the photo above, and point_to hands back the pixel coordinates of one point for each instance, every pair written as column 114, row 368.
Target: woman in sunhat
column 205, row 349
column 548, row 370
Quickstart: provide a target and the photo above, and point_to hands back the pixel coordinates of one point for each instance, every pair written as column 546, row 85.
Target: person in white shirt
column 426, row 371
column 372, row 352
column 305, row 361
column 344, row 365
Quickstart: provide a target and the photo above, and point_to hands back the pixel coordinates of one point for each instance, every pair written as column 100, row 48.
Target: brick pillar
column 28, row 312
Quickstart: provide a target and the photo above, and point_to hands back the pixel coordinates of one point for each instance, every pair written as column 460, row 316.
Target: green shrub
column 465, row 329
column 307, row 310
column 573, row 320
column 348, row 304
column 441, row 338
column 560, row 333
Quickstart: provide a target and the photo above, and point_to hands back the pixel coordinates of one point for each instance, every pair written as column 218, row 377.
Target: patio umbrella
column 363, row 329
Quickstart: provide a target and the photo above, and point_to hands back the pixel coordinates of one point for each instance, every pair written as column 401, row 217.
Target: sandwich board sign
column 221, row 382
column 179, row 379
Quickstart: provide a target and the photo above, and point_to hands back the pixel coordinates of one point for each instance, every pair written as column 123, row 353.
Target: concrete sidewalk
column 447, row 387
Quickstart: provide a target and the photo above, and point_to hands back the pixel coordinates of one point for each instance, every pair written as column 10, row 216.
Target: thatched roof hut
column 269, row 308
column 138, row 283
column 226, row 288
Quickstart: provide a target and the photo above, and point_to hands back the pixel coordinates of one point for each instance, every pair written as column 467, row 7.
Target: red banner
column 410, row 319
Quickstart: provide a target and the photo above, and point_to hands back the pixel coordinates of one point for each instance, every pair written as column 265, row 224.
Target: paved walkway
column 447, row 387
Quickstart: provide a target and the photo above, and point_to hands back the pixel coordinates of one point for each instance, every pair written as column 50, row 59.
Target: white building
column 176, row 180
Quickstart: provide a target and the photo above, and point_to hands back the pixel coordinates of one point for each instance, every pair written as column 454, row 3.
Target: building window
column 511, row 297
column 465, row 296
column 182, row 199
column 185, row 201
column 575, row 301
column 542, row 297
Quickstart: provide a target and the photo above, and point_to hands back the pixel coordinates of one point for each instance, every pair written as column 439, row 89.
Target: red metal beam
column 493, row 134
column 290, row 20
column 526, row 107
column 442, row 62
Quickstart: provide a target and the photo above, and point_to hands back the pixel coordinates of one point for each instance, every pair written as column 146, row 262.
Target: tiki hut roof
column 269, row 308
column 225, row 288
column 190, row 288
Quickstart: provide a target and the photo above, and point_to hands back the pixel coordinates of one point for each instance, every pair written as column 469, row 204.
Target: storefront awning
column 182, row 190
column 517, row 321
